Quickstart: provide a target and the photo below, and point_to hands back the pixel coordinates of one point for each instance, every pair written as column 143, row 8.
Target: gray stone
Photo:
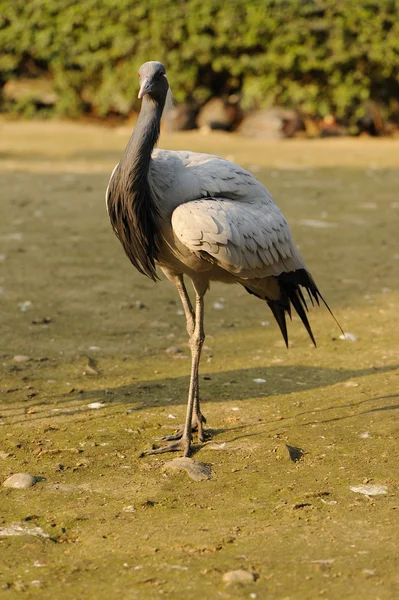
column 20, row 480
column 219, row 114
column 20, row 358
column 239, row 576
column 196, row 470
column 270, row 124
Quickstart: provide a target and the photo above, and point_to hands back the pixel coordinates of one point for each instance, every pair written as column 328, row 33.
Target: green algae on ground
column 118, row 526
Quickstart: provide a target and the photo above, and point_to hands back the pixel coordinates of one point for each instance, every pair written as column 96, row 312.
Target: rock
column 239, row 576
column 21, row 358
column 90, row 371
column 96, row 405
column 271, row 124
column 219, row 114
column 196, row 470
column 36, row 89
column 173, row 350
column 218, row 306
column 348, row 337
column 288, row 453
column 91, row 368
column 42, row 321
column 20, row 481
column 372, row 123
column 25, row 306
column 317, row 224
column 16, row 529
column 217, row 446
column 369, row 489
column 181, row 118
column 329, row 127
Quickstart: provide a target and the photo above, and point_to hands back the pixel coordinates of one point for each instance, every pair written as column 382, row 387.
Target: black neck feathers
column 132, row 209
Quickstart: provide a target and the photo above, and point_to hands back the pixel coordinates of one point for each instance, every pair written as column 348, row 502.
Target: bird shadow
column 227, row 386
column 235, row 385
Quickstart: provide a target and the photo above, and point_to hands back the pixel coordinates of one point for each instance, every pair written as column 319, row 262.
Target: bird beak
column 145, row 87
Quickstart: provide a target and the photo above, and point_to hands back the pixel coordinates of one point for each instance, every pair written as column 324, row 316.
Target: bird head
column 153, row 81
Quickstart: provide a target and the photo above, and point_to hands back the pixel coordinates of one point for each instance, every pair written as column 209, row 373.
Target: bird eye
column 162, row 73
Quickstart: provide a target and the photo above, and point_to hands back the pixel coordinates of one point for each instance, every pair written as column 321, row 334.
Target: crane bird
column 207, row 218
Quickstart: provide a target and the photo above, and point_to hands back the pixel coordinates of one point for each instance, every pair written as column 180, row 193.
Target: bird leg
column 183, row 442
column 198, row 418
column 186, row 302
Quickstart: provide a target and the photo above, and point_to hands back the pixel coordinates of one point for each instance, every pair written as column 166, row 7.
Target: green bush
column 323, row 56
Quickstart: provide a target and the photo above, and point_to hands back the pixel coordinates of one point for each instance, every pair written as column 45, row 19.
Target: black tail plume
column 291, row 294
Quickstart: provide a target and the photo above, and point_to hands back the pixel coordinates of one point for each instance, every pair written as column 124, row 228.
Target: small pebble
column 369, row 571
column 239, row 576
column 21, row 358
column 89, row 370
column 42, row 321
column 12, row 236
column 216, row 446
column 129, row 509
column 369, row 489
column 20, row 480
column 95, row 405
column 317, row 224
column 173, row 350
column 196, row 470
column 218, row 306
column 259, row 380
column 22, row 529
column 24, row 306
column 348, row 337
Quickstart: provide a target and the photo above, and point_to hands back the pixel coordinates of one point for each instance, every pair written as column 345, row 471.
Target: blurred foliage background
column 323, row 57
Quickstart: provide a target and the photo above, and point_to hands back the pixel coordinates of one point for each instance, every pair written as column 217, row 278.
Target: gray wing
column 179, row 177
column 249, row 239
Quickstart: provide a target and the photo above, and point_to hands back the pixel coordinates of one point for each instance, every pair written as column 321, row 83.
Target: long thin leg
column 196, row 342
column 198, row 418
column 186, row 303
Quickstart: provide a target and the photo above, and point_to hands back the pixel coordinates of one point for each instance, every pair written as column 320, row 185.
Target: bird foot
column 175, row 446
column 197, row 425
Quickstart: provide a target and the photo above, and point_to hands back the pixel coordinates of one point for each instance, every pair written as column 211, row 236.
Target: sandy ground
column 102, row 523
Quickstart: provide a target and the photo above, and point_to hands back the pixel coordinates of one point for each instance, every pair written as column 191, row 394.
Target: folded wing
column 249, row 239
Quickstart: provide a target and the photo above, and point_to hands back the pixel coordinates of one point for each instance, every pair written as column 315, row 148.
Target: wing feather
column 250, row 239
